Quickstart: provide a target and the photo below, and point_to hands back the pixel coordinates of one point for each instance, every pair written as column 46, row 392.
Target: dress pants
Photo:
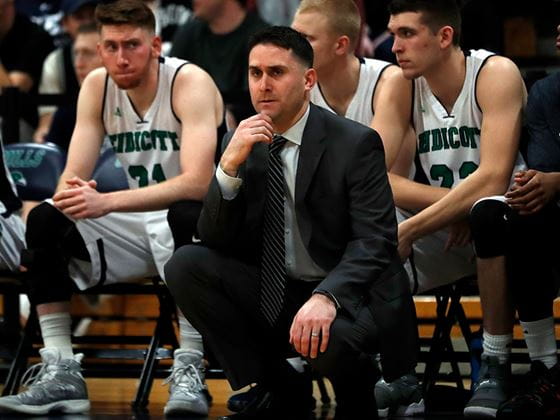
column 219, row 295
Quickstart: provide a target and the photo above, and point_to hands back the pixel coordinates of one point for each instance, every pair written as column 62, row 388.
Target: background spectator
column 23, row 48
column 170, row 14
column 58, row 75
column 86, row 59
column 46, row 14
column 216, row 40
column 277, row 12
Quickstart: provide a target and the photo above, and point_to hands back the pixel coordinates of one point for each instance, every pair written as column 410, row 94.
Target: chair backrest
column 35, row 168
column 109, row 173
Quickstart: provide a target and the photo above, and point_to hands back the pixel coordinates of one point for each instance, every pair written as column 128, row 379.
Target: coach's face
column 127, row 52
column 279, row 84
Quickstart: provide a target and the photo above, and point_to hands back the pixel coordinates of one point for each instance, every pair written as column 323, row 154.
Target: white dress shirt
column 299, row 264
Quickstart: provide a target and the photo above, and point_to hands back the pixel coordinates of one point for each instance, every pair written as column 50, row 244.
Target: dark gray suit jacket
column 346, row 216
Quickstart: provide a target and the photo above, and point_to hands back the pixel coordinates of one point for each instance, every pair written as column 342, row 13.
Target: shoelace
column 192, row 382
column 38, row 373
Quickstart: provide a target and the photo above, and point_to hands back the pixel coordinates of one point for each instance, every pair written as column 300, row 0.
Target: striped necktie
column 273, row 260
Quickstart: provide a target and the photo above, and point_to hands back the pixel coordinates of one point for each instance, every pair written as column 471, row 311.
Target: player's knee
column 45, row 224
column 489, row 227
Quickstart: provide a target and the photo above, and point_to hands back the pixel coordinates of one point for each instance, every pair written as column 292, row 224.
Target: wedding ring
column 314, row 334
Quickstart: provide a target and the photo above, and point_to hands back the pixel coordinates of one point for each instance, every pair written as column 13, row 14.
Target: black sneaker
column 540, row 397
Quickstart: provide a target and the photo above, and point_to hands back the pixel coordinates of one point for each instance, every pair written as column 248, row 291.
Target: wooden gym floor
column 111, row 397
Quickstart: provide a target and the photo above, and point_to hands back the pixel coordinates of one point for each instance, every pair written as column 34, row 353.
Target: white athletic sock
column 55, row 329
column 189, row 338
column 497, row 345
column 541, row 340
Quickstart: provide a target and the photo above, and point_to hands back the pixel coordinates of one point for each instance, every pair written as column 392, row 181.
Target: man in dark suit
column 339, row 292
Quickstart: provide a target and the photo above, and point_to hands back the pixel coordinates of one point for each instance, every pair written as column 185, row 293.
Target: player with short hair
column 467, row 112
column 372, row 92
column 161, row 117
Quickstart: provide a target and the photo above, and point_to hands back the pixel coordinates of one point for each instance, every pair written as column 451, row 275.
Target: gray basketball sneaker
column 491, row 389
column 54, row 385
column 402, row 397
column 187, row 390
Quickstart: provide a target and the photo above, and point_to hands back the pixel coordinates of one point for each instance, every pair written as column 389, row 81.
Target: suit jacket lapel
column 311, row 150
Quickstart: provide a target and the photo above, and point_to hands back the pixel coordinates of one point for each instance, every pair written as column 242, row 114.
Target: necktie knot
column 277, row 144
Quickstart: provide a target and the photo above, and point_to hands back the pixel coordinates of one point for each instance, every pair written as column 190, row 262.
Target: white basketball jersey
column 360, row 108
column 147, row 147
column 448, row 144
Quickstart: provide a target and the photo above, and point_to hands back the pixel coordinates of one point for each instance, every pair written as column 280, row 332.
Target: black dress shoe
column 257, row 407
column 238, row 402
column 266, row 405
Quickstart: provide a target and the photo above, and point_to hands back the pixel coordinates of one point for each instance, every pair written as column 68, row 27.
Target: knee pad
column 489, row 227
column 45, row 259
column 46, row 278
column 45, row 225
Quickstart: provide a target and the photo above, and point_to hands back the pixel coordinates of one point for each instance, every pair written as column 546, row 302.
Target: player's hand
column 532, row 190
column 310, row 328
column 80, row 200
column 256, row 129
column 405, row 239
column 459, row 234
column 76, row 182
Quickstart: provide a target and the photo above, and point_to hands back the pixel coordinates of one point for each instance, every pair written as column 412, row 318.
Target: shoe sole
column 412, row 410
column 179, row 409
column 480, row 412
column 68, row 407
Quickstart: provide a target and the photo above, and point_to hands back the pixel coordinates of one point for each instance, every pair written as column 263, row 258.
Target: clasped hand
column 310, row 328
column 80, row 199
column 531, row 191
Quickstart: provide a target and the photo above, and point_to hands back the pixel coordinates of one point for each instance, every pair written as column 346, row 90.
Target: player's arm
column 392, row 103
column 501, row 95
column 197, row 103
column 88, row 133
column 392, row 106
column 407, row 193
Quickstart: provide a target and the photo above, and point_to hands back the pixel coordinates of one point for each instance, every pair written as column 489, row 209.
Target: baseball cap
column 71, row 6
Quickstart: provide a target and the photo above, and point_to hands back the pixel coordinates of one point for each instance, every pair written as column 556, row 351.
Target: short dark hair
column 125, row 12
column 87, row 28
column 436, row 13
column 287, row 38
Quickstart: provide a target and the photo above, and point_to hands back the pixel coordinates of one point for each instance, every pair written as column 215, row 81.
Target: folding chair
column 35, row 168
column 449, row 311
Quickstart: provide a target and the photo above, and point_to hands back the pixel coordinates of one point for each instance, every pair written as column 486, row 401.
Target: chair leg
column 163, row 332
column 19, row 364
column 147, row 376
column 454, row 364
column 12, row 316
column 434, row 356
